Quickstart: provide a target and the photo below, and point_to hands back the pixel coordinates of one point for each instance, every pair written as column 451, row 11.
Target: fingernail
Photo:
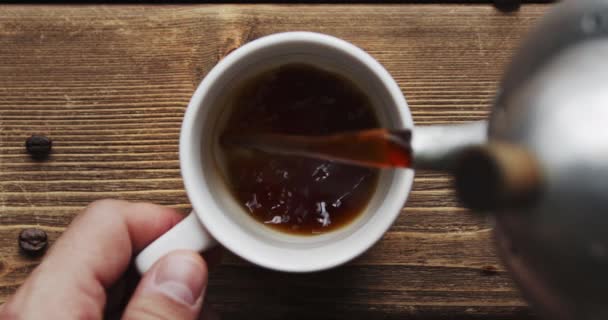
column 181, row 278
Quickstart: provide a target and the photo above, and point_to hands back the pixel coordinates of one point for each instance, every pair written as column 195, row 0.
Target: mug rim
column 202, row 200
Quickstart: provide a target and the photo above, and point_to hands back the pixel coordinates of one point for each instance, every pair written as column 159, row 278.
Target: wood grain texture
column 109, row 84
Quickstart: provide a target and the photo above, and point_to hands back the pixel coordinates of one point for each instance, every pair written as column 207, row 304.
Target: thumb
column 172, row 289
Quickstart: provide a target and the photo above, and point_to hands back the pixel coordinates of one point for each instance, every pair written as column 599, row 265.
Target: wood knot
column 199, row 74
column 489, row 270
column 229, row 51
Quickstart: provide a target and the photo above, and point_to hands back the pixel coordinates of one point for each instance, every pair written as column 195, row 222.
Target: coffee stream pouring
column 539, row 166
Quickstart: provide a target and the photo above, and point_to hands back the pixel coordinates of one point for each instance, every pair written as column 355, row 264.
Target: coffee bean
column 32, row 241
column 38, row 146
column 507, row 5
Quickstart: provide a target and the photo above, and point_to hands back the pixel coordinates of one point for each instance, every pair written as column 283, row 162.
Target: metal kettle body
column 554, row 104
column 543, row 171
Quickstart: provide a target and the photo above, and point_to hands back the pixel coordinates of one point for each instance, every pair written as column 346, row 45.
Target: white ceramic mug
column 216, row 215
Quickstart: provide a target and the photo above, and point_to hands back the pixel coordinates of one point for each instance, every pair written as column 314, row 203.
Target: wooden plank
column 110, row 84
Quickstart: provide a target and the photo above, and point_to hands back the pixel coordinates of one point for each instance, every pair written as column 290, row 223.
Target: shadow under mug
column 218, row 218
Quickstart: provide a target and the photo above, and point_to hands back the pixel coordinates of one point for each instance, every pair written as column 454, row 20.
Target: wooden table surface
column 109, row 84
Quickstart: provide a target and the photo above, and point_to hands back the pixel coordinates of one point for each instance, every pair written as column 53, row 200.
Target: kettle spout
column 438, row 147
column 497, row 176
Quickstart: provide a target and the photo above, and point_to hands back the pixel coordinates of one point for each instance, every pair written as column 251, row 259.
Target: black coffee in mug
column 292, row 194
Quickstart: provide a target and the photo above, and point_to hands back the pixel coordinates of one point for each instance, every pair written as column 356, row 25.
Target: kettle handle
column 437, row 147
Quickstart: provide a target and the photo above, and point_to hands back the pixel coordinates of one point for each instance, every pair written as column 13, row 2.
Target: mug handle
column 188, row 234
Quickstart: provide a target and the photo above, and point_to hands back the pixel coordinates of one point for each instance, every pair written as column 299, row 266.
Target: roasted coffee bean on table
column 33, row 241
column 38, row 146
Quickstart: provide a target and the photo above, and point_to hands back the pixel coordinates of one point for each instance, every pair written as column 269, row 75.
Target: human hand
column 92, row 257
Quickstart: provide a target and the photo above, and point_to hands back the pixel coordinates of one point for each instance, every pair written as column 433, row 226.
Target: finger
column 172, row 289
column 104, row 237
column 92, row 253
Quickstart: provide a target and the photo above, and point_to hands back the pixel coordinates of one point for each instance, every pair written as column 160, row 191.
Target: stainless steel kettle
column 543, row 171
